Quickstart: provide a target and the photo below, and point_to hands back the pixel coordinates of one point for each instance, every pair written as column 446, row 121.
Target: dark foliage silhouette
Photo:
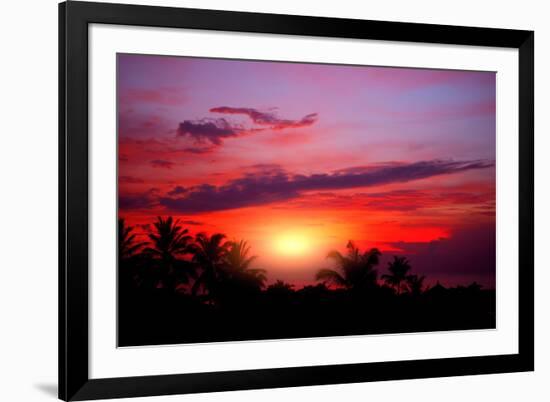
column 238, row 283
column 399, row 269
column 129, row 260
column 174, row 288
column 281, row 287
column 415, row 284
column 168, row 242
column 128, row 246
column 209, row 254
column 237, row 265
column 355, row 269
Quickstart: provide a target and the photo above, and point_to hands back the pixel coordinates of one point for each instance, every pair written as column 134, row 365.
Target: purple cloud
column 265, row 188
column 161, row 163
column 130, row 179
column 267, row 119
column 177, row 191
column 198, row 150
column 136, row 201
column 211, row 130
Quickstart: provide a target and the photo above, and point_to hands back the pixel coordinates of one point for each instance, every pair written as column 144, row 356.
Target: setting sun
column 292, row 244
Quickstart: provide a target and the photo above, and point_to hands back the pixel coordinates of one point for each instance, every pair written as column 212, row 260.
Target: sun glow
column 292, row 244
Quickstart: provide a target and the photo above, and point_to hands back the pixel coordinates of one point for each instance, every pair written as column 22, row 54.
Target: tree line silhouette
column 176, row 288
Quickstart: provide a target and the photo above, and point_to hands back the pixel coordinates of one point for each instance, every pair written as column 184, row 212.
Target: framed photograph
column 257, row 201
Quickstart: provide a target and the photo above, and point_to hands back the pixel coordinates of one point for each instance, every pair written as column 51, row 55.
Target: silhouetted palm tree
column 169, row 241
column 128, row 248
column 398, row 268
column 415, row 284
column 237, row 265
column 127, row 244
column 355, row 269
column 209, row 254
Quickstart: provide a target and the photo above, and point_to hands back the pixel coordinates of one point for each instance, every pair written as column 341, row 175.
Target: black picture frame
column 74, row 380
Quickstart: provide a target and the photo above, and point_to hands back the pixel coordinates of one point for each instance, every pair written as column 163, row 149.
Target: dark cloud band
column 266, row 188
column 267, row 119
column 161, row 163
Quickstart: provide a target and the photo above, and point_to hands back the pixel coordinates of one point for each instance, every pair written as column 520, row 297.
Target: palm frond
column 330, row 275
column 337, row 257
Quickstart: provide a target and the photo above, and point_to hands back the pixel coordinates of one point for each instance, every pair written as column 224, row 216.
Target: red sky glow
column 297, row 159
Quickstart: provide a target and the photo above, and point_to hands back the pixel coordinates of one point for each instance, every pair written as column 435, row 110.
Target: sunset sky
column 297, row 159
